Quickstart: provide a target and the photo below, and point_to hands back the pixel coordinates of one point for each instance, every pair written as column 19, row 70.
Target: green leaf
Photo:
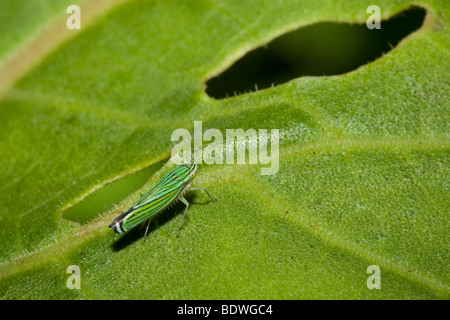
column 364, row 156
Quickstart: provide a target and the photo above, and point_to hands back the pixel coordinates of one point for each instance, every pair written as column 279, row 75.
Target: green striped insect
column 164, row 193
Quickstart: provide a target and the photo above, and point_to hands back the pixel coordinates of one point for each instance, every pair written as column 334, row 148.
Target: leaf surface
column 364, row 157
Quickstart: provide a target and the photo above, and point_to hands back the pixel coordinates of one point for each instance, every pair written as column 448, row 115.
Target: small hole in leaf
column 104, row 198
column 321, row 49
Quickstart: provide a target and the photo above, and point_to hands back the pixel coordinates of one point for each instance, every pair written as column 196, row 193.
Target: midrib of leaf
column 53, row 36
column 99, row 228
column 64, row 105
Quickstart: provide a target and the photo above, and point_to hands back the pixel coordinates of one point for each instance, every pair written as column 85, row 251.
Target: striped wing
column 159, row 197
column 154, row 203
column 160, row 186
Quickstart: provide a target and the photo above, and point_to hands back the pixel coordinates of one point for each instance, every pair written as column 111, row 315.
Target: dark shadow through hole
column 104, row 198
column 321, row 49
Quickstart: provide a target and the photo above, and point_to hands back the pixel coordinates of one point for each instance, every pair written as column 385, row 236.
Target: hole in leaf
column 104, row 198
column 321, row 49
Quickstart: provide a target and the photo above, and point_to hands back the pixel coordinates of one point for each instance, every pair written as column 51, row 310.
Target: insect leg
column 148, row 225
column 200, row 188
column 182, row 217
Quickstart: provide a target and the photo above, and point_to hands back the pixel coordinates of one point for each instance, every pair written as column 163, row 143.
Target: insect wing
column 159, row 197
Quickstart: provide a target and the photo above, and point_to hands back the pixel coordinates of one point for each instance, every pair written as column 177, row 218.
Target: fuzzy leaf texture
column 364, row 156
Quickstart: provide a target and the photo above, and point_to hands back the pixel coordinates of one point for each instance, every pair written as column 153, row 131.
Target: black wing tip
column 120, row 217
